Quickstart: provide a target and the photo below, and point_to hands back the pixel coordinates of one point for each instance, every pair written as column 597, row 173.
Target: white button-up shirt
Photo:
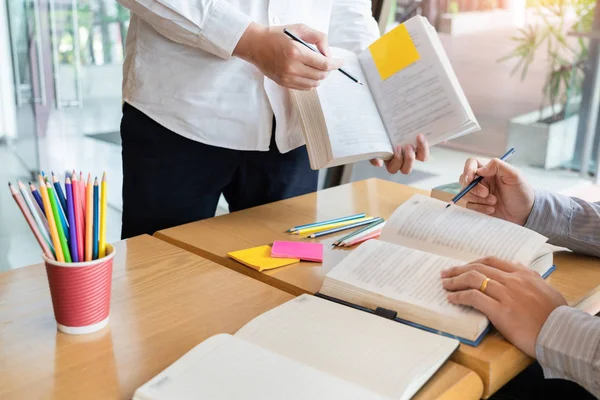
column 179, row 68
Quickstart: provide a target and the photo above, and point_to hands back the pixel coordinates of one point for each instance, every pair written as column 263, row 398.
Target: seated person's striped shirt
column 568, row 346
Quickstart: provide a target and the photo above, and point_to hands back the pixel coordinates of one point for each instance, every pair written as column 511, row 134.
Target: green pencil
column 61, row 234
column 361, row 230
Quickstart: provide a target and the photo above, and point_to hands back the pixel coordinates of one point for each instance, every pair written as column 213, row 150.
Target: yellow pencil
column 51, row 222
column 329, row 226
column 89, row 218
column 102, row 239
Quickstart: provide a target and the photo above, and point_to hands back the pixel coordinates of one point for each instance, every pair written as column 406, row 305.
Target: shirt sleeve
column 215, row 26
column 566, row 221
column 568, row 347
column 352, row 26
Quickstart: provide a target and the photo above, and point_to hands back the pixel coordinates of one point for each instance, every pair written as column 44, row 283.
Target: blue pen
column 96, row 227
column 477, row 180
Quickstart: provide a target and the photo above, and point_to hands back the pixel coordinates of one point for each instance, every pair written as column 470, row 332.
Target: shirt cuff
column 567, row 346
column 224, row 27
column 550, row 215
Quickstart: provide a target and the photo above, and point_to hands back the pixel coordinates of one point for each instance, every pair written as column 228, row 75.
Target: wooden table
column 164, row 302
column 495, row 360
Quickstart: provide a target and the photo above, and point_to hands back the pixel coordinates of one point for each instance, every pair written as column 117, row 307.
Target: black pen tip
column 449, row 204
column 359, row 82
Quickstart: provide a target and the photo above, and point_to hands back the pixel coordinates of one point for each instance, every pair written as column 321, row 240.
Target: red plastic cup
column 81, row 293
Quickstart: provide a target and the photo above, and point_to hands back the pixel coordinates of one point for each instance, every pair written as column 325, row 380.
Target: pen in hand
column 476, row 181
column 302, row 42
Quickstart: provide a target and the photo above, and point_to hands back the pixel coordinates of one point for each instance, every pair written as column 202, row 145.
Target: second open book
column 344, row 122
column 401, row 271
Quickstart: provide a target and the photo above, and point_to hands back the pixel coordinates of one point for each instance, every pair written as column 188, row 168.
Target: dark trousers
column 169, row 180
column 531, row 385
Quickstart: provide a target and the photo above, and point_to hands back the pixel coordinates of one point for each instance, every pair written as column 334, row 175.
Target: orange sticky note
column 393, row 52
column 260, row 258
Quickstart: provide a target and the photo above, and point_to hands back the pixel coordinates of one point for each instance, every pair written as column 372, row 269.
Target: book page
column 401, row 274
column 352, row 119
column 426, row 224
column 376, row 353
column 419, row 98
column 224, row 367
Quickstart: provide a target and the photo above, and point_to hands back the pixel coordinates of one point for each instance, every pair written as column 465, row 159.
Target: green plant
column 566, row 58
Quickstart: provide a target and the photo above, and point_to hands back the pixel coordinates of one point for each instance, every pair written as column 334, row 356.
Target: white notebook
column 344, row 122
column 307, row 348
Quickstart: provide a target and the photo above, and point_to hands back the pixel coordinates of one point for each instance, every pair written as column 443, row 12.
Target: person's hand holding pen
column 285, row 61
column 502, row 193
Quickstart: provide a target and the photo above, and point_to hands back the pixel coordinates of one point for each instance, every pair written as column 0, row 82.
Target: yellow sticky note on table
column 393, row 52
column 260, row 258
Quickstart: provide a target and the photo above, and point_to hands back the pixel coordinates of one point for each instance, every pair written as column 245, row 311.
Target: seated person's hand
column 503, row 193
column 516, row 299
column 405, row 156
column 288, row 63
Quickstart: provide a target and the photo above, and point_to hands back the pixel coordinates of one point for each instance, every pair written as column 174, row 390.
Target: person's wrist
column 248, row 44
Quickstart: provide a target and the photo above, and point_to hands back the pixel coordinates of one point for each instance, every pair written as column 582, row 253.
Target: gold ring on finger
column 484, row 285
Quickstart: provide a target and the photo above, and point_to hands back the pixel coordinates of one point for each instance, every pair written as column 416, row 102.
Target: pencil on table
column 327, row 222
column 72, row 220
column 103, row 198
column 61, row 234
column 79, row 217
column 315, row 229
column 37, row 197
column 30, row 222
column 96, row 229
column 341, row 228
column 38, row 217
column 360, row 231
column 89, row 218
column 52, row 224
column 362, row 239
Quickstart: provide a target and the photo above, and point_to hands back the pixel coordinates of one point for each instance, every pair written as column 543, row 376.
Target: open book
column 401, row 271
column 344, row 122
column 307, row 348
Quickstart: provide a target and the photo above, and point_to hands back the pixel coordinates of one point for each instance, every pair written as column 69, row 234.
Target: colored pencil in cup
column 96, row 228
column 55, row 207
column 37, row 197
column 89, row 218
column 330, row 221
column 362, row 239
column 62, row 217
column 103, row 199
column 59, row 193
column 360, row 231
column 79, row 217
column 305, row 231
column 341, row 228
column 82, row 191
column 52, row 224
column 36, row 214
column 72, row 221
column 30, row 221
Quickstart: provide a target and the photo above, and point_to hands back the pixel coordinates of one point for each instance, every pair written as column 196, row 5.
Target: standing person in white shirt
column 207, row 106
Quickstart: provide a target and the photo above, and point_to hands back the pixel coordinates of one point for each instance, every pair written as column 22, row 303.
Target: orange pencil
column 29, row 218
column 79, row 218
column 51, row 222
column 89, row 218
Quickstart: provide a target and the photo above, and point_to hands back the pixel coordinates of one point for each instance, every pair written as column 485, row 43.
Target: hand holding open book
column 344, row 122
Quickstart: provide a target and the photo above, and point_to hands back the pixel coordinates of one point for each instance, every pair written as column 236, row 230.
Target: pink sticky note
column 302, row 250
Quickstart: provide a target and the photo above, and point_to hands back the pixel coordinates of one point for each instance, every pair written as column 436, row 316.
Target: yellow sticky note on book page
column 393, row 52
column 259, row 258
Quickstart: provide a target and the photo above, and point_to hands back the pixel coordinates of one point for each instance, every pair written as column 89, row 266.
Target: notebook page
column 426, row 224
column 226, row 368
column 375, row 353
column 419, row 98
column 353, row 122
